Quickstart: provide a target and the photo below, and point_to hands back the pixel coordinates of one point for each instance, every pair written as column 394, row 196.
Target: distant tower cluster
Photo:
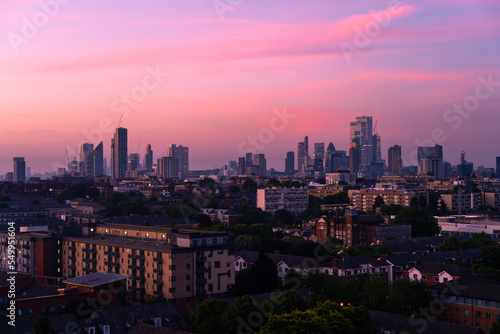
column 181, row 159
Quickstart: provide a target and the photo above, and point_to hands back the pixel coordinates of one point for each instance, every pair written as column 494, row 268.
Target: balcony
column 158, row 293
column 201, row 270
column 71, row 248
column 111, row 263
column 87, row 260
column 139, row 279
column 88, row 270
column 137, row 256
column 158, row 259
column 112, row 253
column 158, row 270
column 201, row 281
column 138, row 289
column 88, row 249
column 26, row 256
column 72, row 267
column 201, row 258
column 135, row 267
column 158, row 282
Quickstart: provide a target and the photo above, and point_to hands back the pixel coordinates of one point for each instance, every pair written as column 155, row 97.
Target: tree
column 390, row 210
column 203, row 220
column 450, row 243
column 4, row 205
column 495, row 328
column 265, row 273
column 206, row 182
column 208, row 317
column 378, row 202
column 285, row 217
column 422, row 222
column 233, row 189
column 42, row 326
column 249, row 184
column 242, row 308
column 273, row 182
column 406, row 297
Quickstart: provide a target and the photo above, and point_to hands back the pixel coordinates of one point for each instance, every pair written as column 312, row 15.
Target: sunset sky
column 226, row 71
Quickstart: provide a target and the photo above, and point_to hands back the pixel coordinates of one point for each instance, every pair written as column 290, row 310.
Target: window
column 171, row 267
column 188, row 266
column 105, row 329
column 228, row 264
column 217, row 264
column 210, row 253
column 466, row 323
column 478, row 314
column 415, row 276
column 171, row 256
column 188, row 277
column 188, row 288
column 211, row 287
column 158, row 322
column 436, row 278
column 91, row 330
column 424, row 277
column 171, row 278
column 466, row 312
column 488, row 315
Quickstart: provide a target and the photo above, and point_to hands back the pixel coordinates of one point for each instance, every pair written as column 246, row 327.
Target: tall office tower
column 464, row 168
column 354, row 159
column 28, row 173
column 9, row 177
column 241, row 166
column 498, row 167
column 119, row 153
column 94, row 162
column 319, row 157
column 133, row 162
column 394, row 155
column 290, row 163
column 85, row 149
column 248, row 159
column 303, row 155
column 328, row 158
column 361, row 134
column 259, row 162
column 148, row 158
column 19, row 170
column 181, row 155
column 166, row 168
column 431, row 161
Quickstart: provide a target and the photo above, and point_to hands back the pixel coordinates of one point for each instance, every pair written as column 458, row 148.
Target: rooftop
column 96, row 279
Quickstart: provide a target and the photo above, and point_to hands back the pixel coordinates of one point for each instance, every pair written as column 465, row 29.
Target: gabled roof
column 437, row 268
column 472, row 287
column 357, row 262
column 292, row 261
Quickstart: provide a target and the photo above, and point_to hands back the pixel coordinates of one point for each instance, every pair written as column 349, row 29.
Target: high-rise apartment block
column 290, row 163
column 181, row 155
column 94, row 162
column 303, row 155
column 294, row 200
column 148, row 158
column 19, row 170
column 395, row 164
column 166, row 168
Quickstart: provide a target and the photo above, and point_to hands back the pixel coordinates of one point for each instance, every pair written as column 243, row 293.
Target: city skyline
column 64, row 85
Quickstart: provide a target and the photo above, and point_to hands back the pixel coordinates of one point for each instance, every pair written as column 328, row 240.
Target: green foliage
column 273, row 182
column 119, row 205
column 249, row 184
column 233, row 189
column 450, row 243
column 495, row 328
column 203, row 220
column 378, row 202
column 206, row 182
column 208, row 317
column 242, row 308
column 262, row 277
column 338, row 198
column 292, row 184
column 284, row 217
column 407, row 297
column 390, row 210
column 422, row 222
column 42, row 326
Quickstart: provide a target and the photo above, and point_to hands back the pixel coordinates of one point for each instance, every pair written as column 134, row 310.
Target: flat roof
column 96, row 279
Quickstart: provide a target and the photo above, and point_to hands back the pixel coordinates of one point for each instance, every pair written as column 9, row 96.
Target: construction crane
column 120, row 121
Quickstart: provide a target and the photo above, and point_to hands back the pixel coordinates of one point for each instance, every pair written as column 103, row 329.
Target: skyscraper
column 19, row 170
column 319, row 157
column 242, row 166
column 290, row 163
column 354, row 158
column 394, row 156
column 431, row 161
column 303, row 154
column 259, row 161
column 361, row 133
column 119, row 153
column 148, row 158
column 464, row 168
column 94, row 162
column 133, row 162
column 498, row 167
column 181, row 155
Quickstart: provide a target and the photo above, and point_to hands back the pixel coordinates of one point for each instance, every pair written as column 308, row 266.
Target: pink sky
column 227, row 75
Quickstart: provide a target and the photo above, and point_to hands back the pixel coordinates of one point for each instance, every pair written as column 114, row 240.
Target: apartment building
column 294, row 200
column 364, row 199
column 159, row 261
